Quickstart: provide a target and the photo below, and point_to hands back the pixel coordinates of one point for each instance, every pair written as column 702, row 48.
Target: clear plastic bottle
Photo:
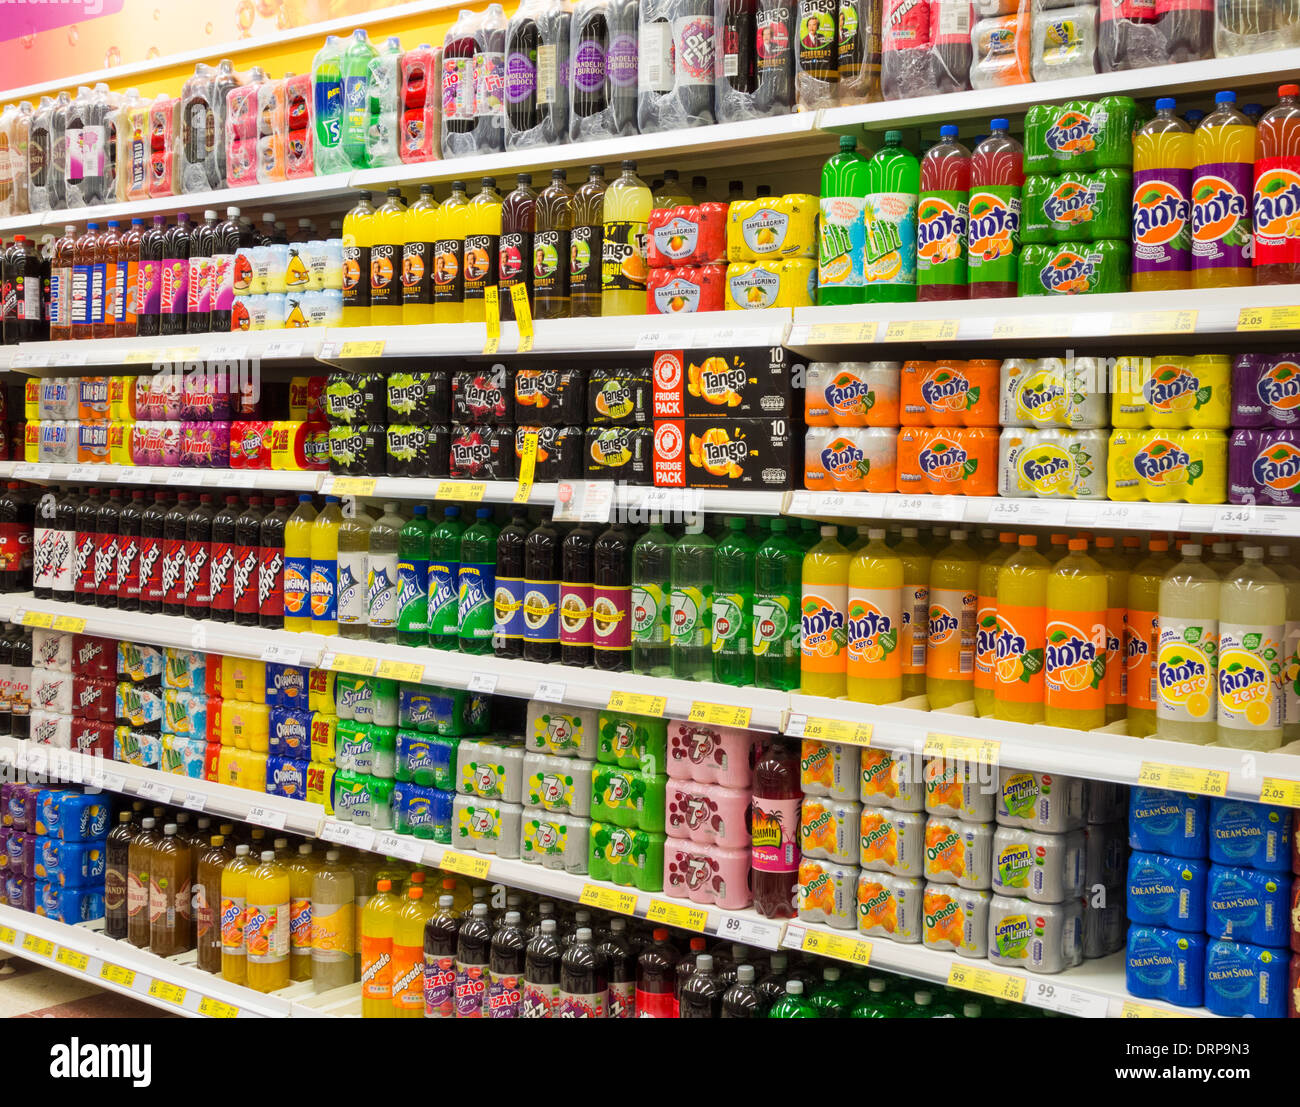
column 690, row 607
column 1187, row 664
column 651, row 592
column 1253, row 605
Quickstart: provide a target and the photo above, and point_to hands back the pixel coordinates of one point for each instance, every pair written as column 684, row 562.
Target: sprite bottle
column 412, row 579
column 690, row 607
column 778, row 573
column 733, row 606
column 478, row 566
column 650, row 588
column 444, row 580
column 381, row 575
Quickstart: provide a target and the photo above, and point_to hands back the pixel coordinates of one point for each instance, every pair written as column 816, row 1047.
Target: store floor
column 29, row 990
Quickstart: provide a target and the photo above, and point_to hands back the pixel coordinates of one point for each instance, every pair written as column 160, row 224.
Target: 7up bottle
column 650, row 589
column 690, row 607
column 778, row 572
column 733, row 606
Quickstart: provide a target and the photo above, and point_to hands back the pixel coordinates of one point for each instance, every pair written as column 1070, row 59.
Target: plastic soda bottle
column 333, row 925
column 997, row 177
column 1280, row 562
column 1252, row 634
column 388, row 230
column 382, row 575
column 1142, row 637
column 1021, row 634
column 916, row 610
column 733, row 606
column 440, row 932
column 778, row 568
column 449, row 257
column 355, row 68
column 301, row 870
column 651, row 589
column 413, row 579
column 1074, row 658
column 842, row 233
column 1187, row 663
column 377, row 919
column 1277, row 191
column 1115, row 566
column 874, row 617
column 482, row 245
column 266, row 925
column 325, row 568
column 505, row 990
column 824, row 599
column 889, row 222
column 476, row 583
column 1163, row 157
column 417, row 269
column 1222, row 186
column 473, row 952
column 793, row 1005
column 624, row 265
column 690, row 607
column 354, row 572
column 943, row 210
column 408, row 955
column 774, row 850
column 327, row 92
column 986, row 623
column 234, row 900
column 444, row 542
column 950, row 631
column 358, row 237
column 297, row 566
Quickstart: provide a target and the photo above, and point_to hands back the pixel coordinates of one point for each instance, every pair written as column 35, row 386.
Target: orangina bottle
column 986, row 622
column 822, row 605
column 1222, row 187
column 875, row 615
column 1115, row 567
column 1022, row 627
column 950, row 633
column 916, row 611
column 1074, row 657
column 1142, row 637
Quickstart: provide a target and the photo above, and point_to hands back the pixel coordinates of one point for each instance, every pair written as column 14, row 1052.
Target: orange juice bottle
column 266, row 925
column 1022, row 633
column 1074, row 656
column 1116, row 568
column 950, row 633
column 1142, row 635
column 875, row 616
column 824, row 600
column 916, row 611
column 1223, row 186
column 986, row 623
column 1163, row 157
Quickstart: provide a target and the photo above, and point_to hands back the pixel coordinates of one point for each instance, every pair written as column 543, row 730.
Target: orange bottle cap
column 1029, row 540
column 1077, row 544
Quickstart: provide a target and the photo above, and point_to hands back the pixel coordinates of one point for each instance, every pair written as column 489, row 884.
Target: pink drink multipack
column 707, row 873
column 708, row 813
column 711, row 754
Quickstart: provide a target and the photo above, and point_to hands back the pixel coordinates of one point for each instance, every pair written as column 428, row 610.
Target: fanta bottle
column 1021, row 635
column 1223, row 244
column 997, row 177
column 1252, row 633
column 1163, row 158
column 325, row 567
column 297, row 566
column 943, row 210
column 950, row 635
column 1074, row 656
column 1116, row 568
column 824, row 600
column 986, row 622
column 1187, row 663
column 916, row 611
column 1280, row 562
column 875, row 616
column 1277, row 191
column 1142, row 636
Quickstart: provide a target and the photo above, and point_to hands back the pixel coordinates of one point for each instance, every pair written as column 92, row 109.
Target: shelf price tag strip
column 719, row 714
column 678, row 914
column 1269, row 319
column 1183, row 778
column 492, row 315
column 828, row 730
column 608, row 899
column 1282, row 793
column 523, row 319
column 637, row 703
column 464, row 864
column 955, row 747
column 840, row 946
column 987, row 982
column 527, row 459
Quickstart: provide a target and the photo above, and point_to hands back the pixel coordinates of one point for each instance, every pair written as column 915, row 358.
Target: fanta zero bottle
column 943, row 210
column 1280, row 562
column 997, row 177
column 1223, row 244
column 875, row 616
column 1021, row 635
column 1142, row 636
column 822, row 608
column 986, row 623
column 1187, row 664
column 1252, row 633
column 1163, row 158
column 1115, row 566
column 1277, row 191
column 1074, row 656
column 916, row 611
column 950, row 634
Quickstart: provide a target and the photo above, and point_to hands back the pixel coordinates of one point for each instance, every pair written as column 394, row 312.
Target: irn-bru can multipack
column 1168, row 466
column 1083, row 206
column 1264, row 466
column 1053, row 392
column 949, row 393
column 1266, row 390
column 1080, row 135
column 852, row 394
column 1050, row 463
column 948, row 461
column 851, row 459
column 1075, row 268
column 1171, row 391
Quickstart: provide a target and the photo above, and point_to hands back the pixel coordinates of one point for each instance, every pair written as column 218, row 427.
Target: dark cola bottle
column 508, row 602
column 151, row 555
column 106, row 546
column 248, row 555
column 83, row 565
column 197, row 587
column 576, row 573
column 128, row 552
column 221, row 562
column 173, row 560
column 270, row 569
column 17, row 516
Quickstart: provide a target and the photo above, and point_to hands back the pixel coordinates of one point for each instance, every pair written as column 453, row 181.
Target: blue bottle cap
column 304, row 498
column 483, row 513
column 948, row 130
column 999, row 125
column 451, row 512
column 1165, row 103
column 331, row 499
column 420, row 509
column 1225, row 97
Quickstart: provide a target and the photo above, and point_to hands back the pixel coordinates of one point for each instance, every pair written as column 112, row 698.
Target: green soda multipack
column 628, row 797
column 1076, row 206
column 1075, row 268
column 632, row 858
column 633, row 741
column 1081, row 135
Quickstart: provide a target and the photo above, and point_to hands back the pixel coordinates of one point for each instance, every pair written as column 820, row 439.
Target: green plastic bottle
column 793, row 1005
column 889, row 223
column 444, row 580
column 842, row 233
column 478, row 565
column 690, row 607
column 733, row 606
column 413, row 579
column 878, row 1004
column 356, row 97
column 809, row 533
column 651, row 572
column 831, row 997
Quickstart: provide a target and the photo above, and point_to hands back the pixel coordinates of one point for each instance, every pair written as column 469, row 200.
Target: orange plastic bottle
column 1277, row 191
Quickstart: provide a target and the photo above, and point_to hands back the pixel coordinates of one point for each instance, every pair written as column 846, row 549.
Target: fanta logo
column 1278, row 467
column 1009, row 644
column 1277, row 203
column 1044, row 467
column 1182, row 672
column 1158, row 461
column 1280, row 386
column 1160, row 212
column 942, row 626
column 1069, row 656
column 846, row 393
column 1166, row 384
column 943, row 460
column 993, row 223
column 1069, row 272
column 866, row 626
column 1243, row 681
column 1069, row 202
column 1072, row 133
column 1217, row 207
column 940, row 229
column 986, row 639
column 1136, row 650
column 1035, row 397
column 819, row 619
column 842, row 457
column 945, row 390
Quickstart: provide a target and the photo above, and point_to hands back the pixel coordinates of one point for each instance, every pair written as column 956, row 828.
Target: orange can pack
column 948, row 462
column 950, row 393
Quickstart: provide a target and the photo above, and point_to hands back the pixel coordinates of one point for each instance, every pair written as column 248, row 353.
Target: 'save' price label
column 839, row 946
column 676, row 914
column 464, row 864
column 608, row 899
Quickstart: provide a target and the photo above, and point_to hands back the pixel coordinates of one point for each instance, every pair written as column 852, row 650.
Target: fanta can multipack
column 1175, row 391
column 1053, row 392
column 949, row 393
column 1080, row 136
column 1168, row 466
column 948, row 461
column 1051, row 463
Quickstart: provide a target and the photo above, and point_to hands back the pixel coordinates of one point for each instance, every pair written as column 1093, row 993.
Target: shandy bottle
column 733, row 606
column 478, row 562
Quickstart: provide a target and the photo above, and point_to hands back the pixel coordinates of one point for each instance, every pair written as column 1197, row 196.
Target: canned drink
column 892, row 841
column 381, row 804
column 893, row 779
column 1044, row 868
column 1265, row 390
column 852, row 394
column 422, row 812
column 57, row 441
column 1075, row 268
column 1085, row 206
column 1105, row 847
column 1104, row 801
column 830, row 769
column 1044, row 938
column 1188, row 466
column 32, row 399
column 488, row 826
column 958, row 789
column 1045, row 802
column 1182, row 392
column 827, row 893
column 1035, row 227
column 949, row 393
column 890, row 906
column 828, row 829
column 1264, row 467
column 1104, row 924
column 556, row 783
column 354, row 748
column 491, row 768
column 383, row 701
column 850, row 459
column 1052, row 464
column 555, row 840
column 958, row 852
column 956, row 919
column 58, row 399
column 948, row 462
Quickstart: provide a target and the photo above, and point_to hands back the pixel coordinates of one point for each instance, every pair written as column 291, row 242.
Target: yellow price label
column 523, row 316
column 38, row 619
column 677, row 914
column 719, row 714
column 986, row 982
column 1284, row 793
column 138, row 357
column 352, row 663
column 167, row 991
column 921, row 330
column 831, row 334
column 1184, row 778
column 527, row 464
column 955, row 747
column 71, row 624
column 352, row 486
column 637, row 703
column 181, row 353
column 117, row 974
column 839, row 946
column 1269, row 319
column 409, row 671
column 1033, row 326
column 464, row 864
column 471, row 490
column 608, row 899
column 215, row 1009
column 374, row 348
column 7, row 935
column 72, row 958
column 1134, row 1010
column 42, row 947
column 837, row 730
column 492, row 315
column 1153, row 322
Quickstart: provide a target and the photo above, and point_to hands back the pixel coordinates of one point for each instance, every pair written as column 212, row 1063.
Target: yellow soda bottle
column 302, row 870
column 823, row 601
column 1187, row 661
column 875, row 614
column 1058, row 546
column 1022, row 633
column 358, row 237
column 417, row 258
column 1223, row 159
column 1163, row 159
column 388, row 229
column 916, row 611
column 266, row 925
column 1279, row 559
column 1252, row 632
column 1074, row 655
column 449, row 257
column 377, row 919
column 325, row 568
column 234, row 901
column 1142, row 636
column 624, row 261
column 950, row 630
column 482, row 240
column 408, row 955
column 297, row 566
column 1115, row 567
column 986, row 623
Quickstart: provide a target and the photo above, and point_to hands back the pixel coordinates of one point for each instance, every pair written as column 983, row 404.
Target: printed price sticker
column 583, row 501
column 719, row 714
column 955, row 747
column 678, row 914
column 464, row 864
column 473, row 491
column 74, row 959
column 155, row 790
column 282, row 349
column 195, row 801
column 523, row 319
column 483, row 683
column 399, row 845
column 363, row 349
column 921, row 330
column 7, row 935
column 828, row 730
column 608, row 899
column 1027, row 512
column 839, row 946
column 492, row 315
column 178, row 476
column 167, row 991
column 1269, row 318
column 1153, row 322
column 283, row 655
column 637, row 703
column 1069, row 1001
column 216, row 1009
column 70, row 624
column 527, row 464
column 754, row 932
column 350, row 663
column 1184, row 778
column 349, row 834
column 351, row 486
column 1283, row 793
column 42, row 947
column 409, row 671
column 1031, row 326
column 986, row 982
column 832, row 334
column 550, row 691
column 38, row 619
column 116, row 974
column 266, row 816
column 138, row 357
column 1134, row 1010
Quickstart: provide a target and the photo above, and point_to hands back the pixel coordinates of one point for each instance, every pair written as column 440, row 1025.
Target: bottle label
column 270, row 581
column 1162, row 221
column 412, row 595
column 941, row 238
column 622, row 999
column 775, row 629
column 105, row 566
column 353, row 583
column 96, row 303
column 505, row 994
column 874, row 617
column 841, row 242
column 385, row 289
column 729, row 624
column 573, row 1005
column 610, row 622
column 376, row 967
column 621, row 60
column 27, row 294
column 514, row 253
column 1250, row 676
column 1221, row 216
column 690, row 617
column 174, row 289
column 993, row 234
column 817, row 19
column 137, row 895
column 647, row 619
column 1018, row 653
column 296, row 586
column 890, row 227
column 324, row 591
column 521, row 77
column 950, row 634
column 198, row 295
column 623, row 256
column 476, row 585
column 575, row 614
column 221, row 279
column 1116, row 672
column 232, row 926
column 381, row 591
column 444, row 597
column 471, row 984
column 655, row 51
column 824, row 634
column 589, row 62
column 1277, row 211
column 417, row 273
column 1141, row 646
column 457, row 89
column 356, row 276
column 541, row 1001
column 408, row 978
column 508, row 610
column 439, row 987
column 550, row 271
column 448, row 275
column 1186, row 669
column 80, row 295
column 1074, row 661
column 300, row 930
column 196, row 586
column 480, row 264
column 173, row 566
column 541, row 611
column 490, row 86
column 150, row 569
column 986, row 636
column 655, row 1005
column 772, row 39
column 775, row 835
column 221, row 565
column 586, row 253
